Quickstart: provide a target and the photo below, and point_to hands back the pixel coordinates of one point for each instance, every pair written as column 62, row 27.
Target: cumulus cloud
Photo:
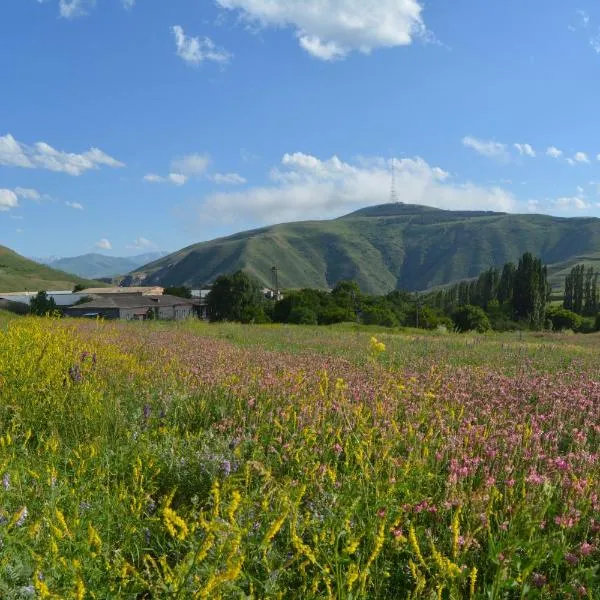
column 554, row 152
column 28, row 194
column 191, row 164
column 571, row 203
column 581, row 157
column 331, row 29
column 8, row 200
column 43, row 156
column 142, row 243
column 487, row 148
column 195, row 50
column 182, row 168
column 104, row 244
column 75, row 205
column 228, row 179
column 525, row 150
column 304, row 186
column 174, row 178
column 70, row 9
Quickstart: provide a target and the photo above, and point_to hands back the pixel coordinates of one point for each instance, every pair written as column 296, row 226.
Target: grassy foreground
column 198, row 461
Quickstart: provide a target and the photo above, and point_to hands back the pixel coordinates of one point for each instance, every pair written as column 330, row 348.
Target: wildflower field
column 224, row 461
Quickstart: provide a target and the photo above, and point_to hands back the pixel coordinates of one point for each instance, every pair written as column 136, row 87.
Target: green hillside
column 18, row 274
column 383, row 248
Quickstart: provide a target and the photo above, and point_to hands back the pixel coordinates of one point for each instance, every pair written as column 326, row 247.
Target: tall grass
column 236, row 462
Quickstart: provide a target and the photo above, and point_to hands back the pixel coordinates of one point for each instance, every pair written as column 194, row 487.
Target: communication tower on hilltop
column 393, row 191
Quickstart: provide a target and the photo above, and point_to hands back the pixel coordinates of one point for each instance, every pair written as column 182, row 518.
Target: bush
column 377, row 315
column 562, row 318
column 302, row 315
column 471, row 318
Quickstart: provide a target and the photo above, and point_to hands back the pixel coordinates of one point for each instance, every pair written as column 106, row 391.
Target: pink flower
column 586, row 549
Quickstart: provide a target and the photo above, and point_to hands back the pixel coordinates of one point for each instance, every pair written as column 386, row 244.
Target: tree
column 78, row 288
column 179, row 291
column 506, row 283
column 471, row 318
column 236, row 297
column 42, row 305
column 531, row 291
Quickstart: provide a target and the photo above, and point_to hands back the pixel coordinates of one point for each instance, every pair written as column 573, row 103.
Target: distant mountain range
column 96, row 266
column 383, row 248
column 20, row 274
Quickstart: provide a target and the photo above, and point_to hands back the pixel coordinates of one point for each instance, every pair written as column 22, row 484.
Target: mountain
column 96, row 266
column 383, row 248
column 19, row 274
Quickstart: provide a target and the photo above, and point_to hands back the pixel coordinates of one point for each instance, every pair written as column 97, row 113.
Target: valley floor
column 154, row 460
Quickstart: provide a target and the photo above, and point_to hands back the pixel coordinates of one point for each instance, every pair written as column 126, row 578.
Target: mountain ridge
column 382, row 247
column 19, row 274
column 94, row 265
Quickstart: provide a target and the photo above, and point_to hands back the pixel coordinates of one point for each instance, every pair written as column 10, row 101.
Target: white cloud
column 12, row 154
column 128, row 4
column 104, row 244
column 174, row 178
column 585, row 17
column 331, row 29
column 75, row 205
column 571, row 203
column 192, row 164
column 228, row 179
column 305, row 186
column 8, row 200
column 581, row 157
column 525, row 150
column 27, row 193
column 142, row 243
column 195, row 50
column 490, row 149
column 43, row 156
column 70, row 9
column 554, row 152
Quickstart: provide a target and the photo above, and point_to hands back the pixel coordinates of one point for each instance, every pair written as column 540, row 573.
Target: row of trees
column 581, row 291
column 518, row 293
column 515, row 296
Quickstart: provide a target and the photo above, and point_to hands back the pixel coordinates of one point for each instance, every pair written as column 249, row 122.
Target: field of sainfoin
column 196, row 461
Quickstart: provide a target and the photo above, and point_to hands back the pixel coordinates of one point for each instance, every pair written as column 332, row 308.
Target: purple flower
column 539, row 580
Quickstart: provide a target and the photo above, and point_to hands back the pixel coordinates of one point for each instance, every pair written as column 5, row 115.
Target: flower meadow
column 223, row 461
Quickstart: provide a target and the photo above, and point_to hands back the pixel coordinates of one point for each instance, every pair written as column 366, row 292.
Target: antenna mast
column 393, row 191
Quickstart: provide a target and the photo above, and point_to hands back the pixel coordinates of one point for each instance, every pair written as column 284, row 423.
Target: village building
column 135, row 307
column 137, row 291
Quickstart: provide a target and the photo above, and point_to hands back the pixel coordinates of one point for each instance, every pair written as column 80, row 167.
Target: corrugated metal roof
column 105, row 301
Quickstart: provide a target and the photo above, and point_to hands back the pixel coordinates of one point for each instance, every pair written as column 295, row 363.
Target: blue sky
column 133, row 125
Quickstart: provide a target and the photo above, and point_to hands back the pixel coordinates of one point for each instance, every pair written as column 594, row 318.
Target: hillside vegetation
column 382, row 248
column 18, row 274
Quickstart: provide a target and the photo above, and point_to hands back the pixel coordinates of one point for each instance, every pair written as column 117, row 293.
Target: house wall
column 106, row 313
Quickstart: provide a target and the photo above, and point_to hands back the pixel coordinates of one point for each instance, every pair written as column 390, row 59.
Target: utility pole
column 275, row 271
column 418, row 306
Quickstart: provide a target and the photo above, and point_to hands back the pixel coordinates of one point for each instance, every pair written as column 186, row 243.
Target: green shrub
column 471, row 318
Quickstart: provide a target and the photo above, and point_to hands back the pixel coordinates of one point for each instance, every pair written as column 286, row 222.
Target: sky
column 128, row 126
